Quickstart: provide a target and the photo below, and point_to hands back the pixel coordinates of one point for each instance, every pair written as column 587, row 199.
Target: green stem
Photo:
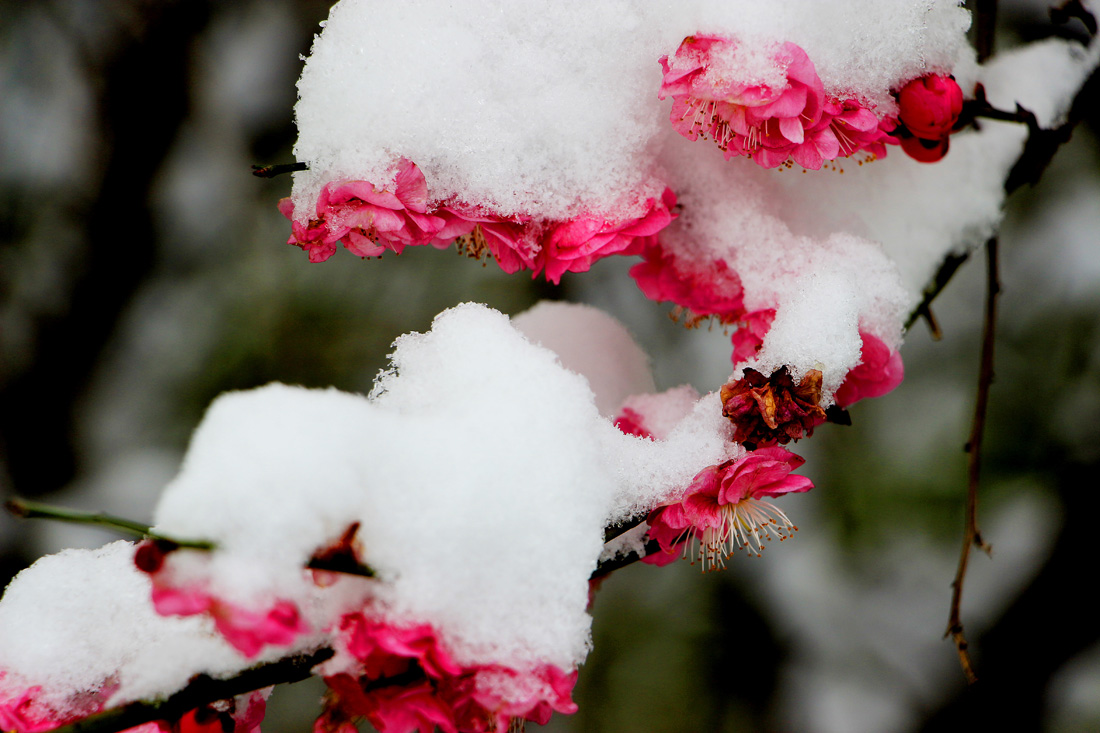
column 36, row 510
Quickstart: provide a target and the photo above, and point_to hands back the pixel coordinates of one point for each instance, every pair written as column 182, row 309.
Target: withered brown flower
column 770, row 410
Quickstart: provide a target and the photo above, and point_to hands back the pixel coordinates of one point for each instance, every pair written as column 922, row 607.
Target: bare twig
column 277, row 169
column 37, row 510
column 972, row 536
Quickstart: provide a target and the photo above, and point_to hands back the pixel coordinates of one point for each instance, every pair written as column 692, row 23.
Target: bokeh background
column 143, row 271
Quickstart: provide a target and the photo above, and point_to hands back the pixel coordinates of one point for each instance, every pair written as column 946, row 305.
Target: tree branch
column 621, row 561
column 972, row 536
column 202, row 690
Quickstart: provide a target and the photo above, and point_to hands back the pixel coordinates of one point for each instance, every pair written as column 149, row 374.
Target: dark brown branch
column 972, row 536
column 277, row 169
column 202, row 690
column 615, row 530
column 609, row 566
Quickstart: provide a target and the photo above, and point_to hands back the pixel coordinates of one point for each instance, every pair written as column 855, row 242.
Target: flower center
column 747, row 524
column 473, row 245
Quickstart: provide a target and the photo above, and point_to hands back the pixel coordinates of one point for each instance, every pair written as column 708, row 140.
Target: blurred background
column 143, row 271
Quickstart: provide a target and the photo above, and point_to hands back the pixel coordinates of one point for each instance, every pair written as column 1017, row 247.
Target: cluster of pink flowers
column 726, row 509
column 770, row 123
column 796, row 120
column 369, row 220
column 402, row 679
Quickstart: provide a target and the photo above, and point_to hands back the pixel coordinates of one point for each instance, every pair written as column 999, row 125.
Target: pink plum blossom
column 879, row 371
column 22, row 712
column 770, row 123
column 929, row 109
column 366, row 219
column 481, row 707
column 726, row 509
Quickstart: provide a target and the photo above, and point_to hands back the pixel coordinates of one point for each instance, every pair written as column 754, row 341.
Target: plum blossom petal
column 246, row 630
column 574, row 245
column 880, row 370
column 712, row 291
column 750, row 333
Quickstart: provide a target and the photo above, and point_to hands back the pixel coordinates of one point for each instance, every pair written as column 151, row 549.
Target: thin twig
column 37, row 510
column 972, row 536
column 278, row 169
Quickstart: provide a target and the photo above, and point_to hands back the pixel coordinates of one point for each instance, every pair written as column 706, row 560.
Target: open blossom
column 726, row 509
column 489, row 697
column 402, row 679
column 773, row 409
column 772, row 122
column 366, row 219
column 879, row 371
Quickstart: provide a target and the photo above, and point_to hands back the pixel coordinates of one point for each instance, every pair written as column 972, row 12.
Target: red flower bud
column 930, row 106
